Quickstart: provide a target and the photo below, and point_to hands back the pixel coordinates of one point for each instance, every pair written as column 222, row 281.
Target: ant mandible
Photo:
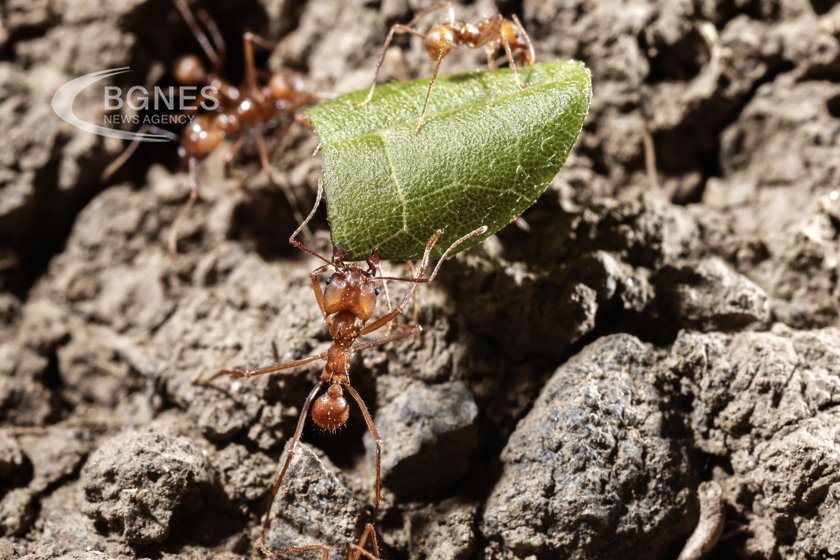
column 347, row 304
column 239, row 112
column 491, row 33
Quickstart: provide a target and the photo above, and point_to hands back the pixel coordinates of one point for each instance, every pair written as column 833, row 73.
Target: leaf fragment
column 484, row 154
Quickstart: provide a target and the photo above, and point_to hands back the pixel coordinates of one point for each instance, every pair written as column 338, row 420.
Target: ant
column 347, row 304
column 491, row 33
column 239, row 111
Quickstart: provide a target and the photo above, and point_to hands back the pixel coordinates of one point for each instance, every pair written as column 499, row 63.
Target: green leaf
column 486, row 151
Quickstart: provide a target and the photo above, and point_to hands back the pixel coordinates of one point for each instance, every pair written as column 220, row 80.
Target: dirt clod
column 134, row 484
column 594, row 456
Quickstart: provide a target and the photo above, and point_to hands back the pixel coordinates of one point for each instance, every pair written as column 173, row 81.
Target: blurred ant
column 492, row 33
column 240, row 112
column 347, row 304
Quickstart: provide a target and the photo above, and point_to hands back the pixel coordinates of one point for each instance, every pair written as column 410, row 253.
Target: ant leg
column 387, row 296
column 410, row 266
column 410, row 330
column 522, row 224
column 293, row 238
column 239, row 374
column 276, row 487
column 359, row 548
column 288, row 194
column 248, row 42
column 313, row 277
column 325, row 552
column 490, row 51
column 530, row 55
column 200, row 36
column 376, row 440
column 173, row 229
column 418, row 279
column 396, row 28
column 120, row 160
column 511, row 60
column 432, row 80
column 231, row 153
column 215, row 34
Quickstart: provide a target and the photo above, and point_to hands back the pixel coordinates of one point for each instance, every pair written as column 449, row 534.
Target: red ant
column 491, row 33
column 239, row 112
column 347, row 304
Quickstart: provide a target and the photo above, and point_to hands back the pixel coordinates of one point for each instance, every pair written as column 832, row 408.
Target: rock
column 446, row 530
column 17, row 511
column 313, row 507
column 768, row 402
column 711, row 296
column 11, row 460
column 56, row 454
column 595, row 469
column 135, row 482
column 429, row 434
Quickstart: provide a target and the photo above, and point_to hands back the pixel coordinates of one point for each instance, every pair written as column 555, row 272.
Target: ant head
column 352, row 289
column 202, row 136
column 189, row 70
column 285, row 85
column 439, row 41
column 331, row 410
column 519, row 44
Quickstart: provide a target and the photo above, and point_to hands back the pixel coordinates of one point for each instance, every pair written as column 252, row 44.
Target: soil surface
column 658, row 357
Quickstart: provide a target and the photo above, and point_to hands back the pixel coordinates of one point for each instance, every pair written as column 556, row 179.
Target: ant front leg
column 395, row 29
column 403, row 29
column 418, row 278
column 293, row 241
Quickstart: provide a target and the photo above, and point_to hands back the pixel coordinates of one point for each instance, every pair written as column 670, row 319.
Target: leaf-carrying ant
column 492, row 33
column 241, row 113
column 347, row 303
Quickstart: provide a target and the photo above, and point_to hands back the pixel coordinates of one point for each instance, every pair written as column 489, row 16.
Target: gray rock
column 429, row 434
column 313, row 507
column 446, row 530
column 591, row 471
column 11, row 459
column 768, row 401
column 711, row 296
column 17, row 511
column 134, row 482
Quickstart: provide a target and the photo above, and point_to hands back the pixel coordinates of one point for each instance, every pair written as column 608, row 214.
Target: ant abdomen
column 331, row 410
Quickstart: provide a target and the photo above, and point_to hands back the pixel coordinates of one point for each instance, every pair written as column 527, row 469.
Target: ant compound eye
column 376, row 290
column 329, row 280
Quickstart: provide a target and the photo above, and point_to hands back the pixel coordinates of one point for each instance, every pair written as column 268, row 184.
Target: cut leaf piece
column 485, row 153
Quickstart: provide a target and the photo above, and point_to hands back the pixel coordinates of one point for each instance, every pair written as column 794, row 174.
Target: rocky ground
column 669, row 325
